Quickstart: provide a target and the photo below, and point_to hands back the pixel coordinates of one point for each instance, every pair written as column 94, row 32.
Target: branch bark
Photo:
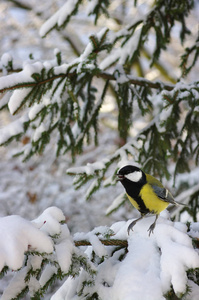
column 104, row 75
column 109, row 242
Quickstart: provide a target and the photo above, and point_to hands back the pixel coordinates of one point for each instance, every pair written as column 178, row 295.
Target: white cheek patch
column 135, row 176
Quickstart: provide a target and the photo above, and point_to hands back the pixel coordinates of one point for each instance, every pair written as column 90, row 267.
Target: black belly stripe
column 133, row 190
column 142, row 207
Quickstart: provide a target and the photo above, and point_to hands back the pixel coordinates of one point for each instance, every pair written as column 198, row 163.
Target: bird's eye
column 120, row 176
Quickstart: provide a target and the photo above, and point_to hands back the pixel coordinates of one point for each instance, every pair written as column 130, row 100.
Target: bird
column 145, row 192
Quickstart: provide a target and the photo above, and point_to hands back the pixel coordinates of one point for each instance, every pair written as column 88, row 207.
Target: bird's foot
column 151, row 228
column 133, row 224
column 130, row 227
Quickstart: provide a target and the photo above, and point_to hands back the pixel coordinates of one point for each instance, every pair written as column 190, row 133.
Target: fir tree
column 64, row 99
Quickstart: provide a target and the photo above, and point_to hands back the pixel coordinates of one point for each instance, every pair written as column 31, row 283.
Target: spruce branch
column 34, row 84
column 191, row 53
column 20, row 4
column 99, row 74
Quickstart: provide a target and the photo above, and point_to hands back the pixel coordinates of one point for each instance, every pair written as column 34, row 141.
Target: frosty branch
column 35, row 270
column 99, row 74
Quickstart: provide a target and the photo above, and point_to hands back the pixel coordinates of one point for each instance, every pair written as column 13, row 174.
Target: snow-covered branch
column 51, row 254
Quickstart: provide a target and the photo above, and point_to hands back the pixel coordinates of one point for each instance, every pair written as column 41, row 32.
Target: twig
column 109, row 242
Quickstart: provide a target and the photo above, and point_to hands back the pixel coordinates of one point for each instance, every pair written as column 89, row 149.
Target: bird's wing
column 160, row 190
column 163, row 194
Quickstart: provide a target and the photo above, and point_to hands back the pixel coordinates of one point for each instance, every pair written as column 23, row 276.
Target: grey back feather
column 163, row 194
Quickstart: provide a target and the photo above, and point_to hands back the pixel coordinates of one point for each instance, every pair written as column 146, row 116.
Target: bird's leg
column 151, row 228
column 133, row 223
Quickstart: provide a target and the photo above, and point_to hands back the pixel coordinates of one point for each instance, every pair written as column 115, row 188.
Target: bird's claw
column 130, row 227
column 151, row 228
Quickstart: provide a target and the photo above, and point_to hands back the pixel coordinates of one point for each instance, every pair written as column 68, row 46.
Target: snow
column 46, row 275
column 116, row 203
column 194, row 290
column 49, row 220
column 159, row 261
column 177, row 256
column 89, row 169
column 46, row 178
column 35, row 262
column 130, row 46
column 141, row 267
column 21, row 235
column 121, row 54
column 34, row 110
column 56, row 51
column 33, row 286
column 17, row 99
column 66, row 291
column 16, row 286
column 98, row 247
column 64, row 249
column 5, row 99
column 38, row 131
column 91, row 6
column 61, row 69
column 158, row 268
column 94, row 184
column 88, row 50
column 109, row 60
column 59, row 17
column 64, row 254
column 66, row 10
column 15, row 79
column 31, row 68
column 6, row 58
column 4, row 63
column 12, row 129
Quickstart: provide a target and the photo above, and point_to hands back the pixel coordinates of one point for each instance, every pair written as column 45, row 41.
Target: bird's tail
column 178, row 203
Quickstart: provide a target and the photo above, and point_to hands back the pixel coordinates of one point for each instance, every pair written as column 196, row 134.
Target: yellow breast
column 133, row 202
column 151, row 201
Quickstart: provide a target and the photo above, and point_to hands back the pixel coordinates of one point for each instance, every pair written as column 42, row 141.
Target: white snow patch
column 64, row 249
column 16, row 285
column 12, row 129
column 49, row 270
column 17, row 98
column 35, row 109
column 59, row 17
column 6, row 58
column 21, row 235
column 49, row 220
column 116, row 203
column 38, row 132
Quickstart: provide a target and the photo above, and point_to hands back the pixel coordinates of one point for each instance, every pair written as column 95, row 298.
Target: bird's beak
column 120, row 177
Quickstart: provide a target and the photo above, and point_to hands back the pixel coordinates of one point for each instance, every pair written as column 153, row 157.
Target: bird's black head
column 131, row 174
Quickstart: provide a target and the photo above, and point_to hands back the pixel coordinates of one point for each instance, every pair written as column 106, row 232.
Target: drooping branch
column 104, row 75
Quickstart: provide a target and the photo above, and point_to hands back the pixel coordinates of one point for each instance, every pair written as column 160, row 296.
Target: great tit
column 146, row 193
